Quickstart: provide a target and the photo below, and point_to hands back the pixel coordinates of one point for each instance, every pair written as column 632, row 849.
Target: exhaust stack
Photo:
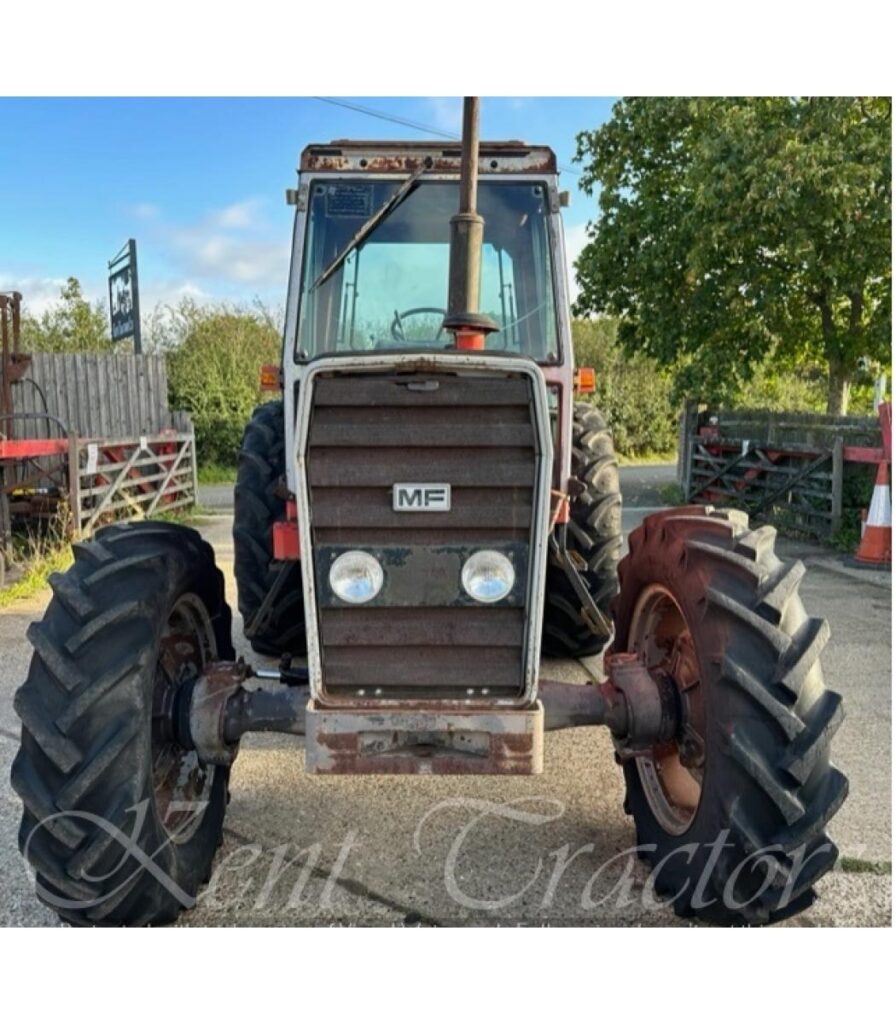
column 468, row 325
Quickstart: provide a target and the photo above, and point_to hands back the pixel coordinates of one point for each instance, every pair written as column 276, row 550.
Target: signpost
column 124, row 296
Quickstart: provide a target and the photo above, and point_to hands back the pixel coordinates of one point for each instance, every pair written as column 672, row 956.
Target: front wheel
column 594, row 538
column 120, row 821
column 731, row 814
column 258, row 503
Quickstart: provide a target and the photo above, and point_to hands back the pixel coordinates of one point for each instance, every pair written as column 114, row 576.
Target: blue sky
column 199, row 183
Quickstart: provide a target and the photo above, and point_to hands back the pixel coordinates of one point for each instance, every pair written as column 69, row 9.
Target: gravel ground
column 301, row 850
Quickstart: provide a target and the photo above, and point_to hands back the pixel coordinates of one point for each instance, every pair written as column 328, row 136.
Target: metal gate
column 132, row 478
column 799, row 485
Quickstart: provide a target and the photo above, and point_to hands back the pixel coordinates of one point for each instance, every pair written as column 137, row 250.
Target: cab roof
column 352, row 156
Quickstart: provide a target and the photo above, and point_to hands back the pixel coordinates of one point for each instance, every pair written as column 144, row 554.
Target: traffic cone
column 875, row 546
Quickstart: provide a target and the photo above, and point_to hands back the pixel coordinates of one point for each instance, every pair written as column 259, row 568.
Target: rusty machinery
column 425, row 512
column 33, row 469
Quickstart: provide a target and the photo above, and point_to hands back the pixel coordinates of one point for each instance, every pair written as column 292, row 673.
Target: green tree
column 734, row 231
column 633, row 392
column 71, row 325
column 214, row 356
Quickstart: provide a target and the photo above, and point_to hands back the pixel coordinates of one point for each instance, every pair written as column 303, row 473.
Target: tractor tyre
column 594, row 536
column 731, row 814
column 121, row 821
column 258, row 503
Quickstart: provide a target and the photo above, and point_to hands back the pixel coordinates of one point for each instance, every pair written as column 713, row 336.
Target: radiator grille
column 476, row 433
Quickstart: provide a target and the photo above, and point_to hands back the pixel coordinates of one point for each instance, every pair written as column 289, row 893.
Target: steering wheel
column 398, row 327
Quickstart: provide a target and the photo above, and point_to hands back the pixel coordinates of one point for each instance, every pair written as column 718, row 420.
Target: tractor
column 425, row 513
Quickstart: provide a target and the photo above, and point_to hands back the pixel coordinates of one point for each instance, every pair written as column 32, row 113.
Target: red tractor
column 426, row 513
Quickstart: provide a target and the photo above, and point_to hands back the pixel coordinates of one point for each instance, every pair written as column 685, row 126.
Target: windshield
column 389, row 292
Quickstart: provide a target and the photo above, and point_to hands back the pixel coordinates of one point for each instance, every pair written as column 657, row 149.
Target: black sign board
column 124, row 295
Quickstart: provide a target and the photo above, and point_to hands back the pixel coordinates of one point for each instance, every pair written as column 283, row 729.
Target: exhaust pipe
column 463, row 319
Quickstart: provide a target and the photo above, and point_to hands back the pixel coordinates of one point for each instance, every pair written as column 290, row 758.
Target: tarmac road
column 300, row 850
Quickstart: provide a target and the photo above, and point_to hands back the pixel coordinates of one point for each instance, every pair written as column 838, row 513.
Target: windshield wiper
column 395, row 200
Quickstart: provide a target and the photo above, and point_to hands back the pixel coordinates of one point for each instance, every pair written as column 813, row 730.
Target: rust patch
column 407, row 742
column 345, row 156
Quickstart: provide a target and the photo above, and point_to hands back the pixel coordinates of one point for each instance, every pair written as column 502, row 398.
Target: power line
column 388, row 117
column 416, row 125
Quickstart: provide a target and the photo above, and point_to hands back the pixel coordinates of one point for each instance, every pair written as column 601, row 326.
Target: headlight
column 356, row 577
column 487, row 576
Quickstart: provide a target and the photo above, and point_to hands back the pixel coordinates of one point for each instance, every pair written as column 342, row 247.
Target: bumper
column 424, row 742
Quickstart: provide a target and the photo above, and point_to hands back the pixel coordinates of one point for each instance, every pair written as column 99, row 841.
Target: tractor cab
column 376, row 272
column 373, row 244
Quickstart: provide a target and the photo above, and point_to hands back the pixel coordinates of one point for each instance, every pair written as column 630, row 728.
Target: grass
column 215, row 473
column 42, row 556
column 186, row 516
column 857, row 866
column 647, row 458
column 39, row 568
column 671, row 494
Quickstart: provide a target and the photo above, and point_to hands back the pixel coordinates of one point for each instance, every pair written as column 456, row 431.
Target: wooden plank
column 84, row 419
column 64, row 396
column 181, row 480
column 103, row 389
column 184, row 448
column 113, row 489
column 120, row 402
column 74, row 483
column 133, row 419
column 143, row 396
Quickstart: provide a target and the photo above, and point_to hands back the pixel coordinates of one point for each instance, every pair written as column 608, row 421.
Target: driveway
column 551, row 849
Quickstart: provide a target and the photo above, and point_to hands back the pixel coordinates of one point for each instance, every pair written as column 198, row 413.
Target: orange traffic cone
column 875, row 546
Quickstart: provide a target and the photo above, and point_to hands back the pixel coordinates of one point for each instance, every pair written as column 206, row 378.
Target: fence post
column 690, row 451
column 74, row 485
column 195, row 466
column 685, row 429
column 836, row 485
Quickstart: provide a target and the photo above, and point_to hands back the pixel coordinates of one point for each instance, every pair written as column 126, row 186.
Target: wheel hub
column 672, row 772
column 181, row 784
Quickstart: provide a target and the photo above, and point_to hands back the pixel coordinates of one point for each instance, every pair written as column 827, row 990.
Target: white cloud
column 169, row 292
column 227, row 252
column 230, row 258
column 243, row 214
column 38, row 293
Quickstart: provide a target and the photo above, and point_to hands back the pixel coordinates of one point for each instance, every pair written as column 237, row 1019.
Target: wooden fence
column 781, row 467
column 95, row 395
column 92, row 434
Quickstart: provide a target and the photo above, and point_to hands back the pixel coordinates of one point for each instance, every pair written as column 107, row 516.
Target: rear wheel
column 258, row 503
column 731, row 814
column 594, row 539
column 120, row 821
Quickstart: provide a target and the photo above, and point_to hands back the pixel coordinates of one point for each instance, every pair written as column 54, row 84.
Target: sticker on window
column 349, row 201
